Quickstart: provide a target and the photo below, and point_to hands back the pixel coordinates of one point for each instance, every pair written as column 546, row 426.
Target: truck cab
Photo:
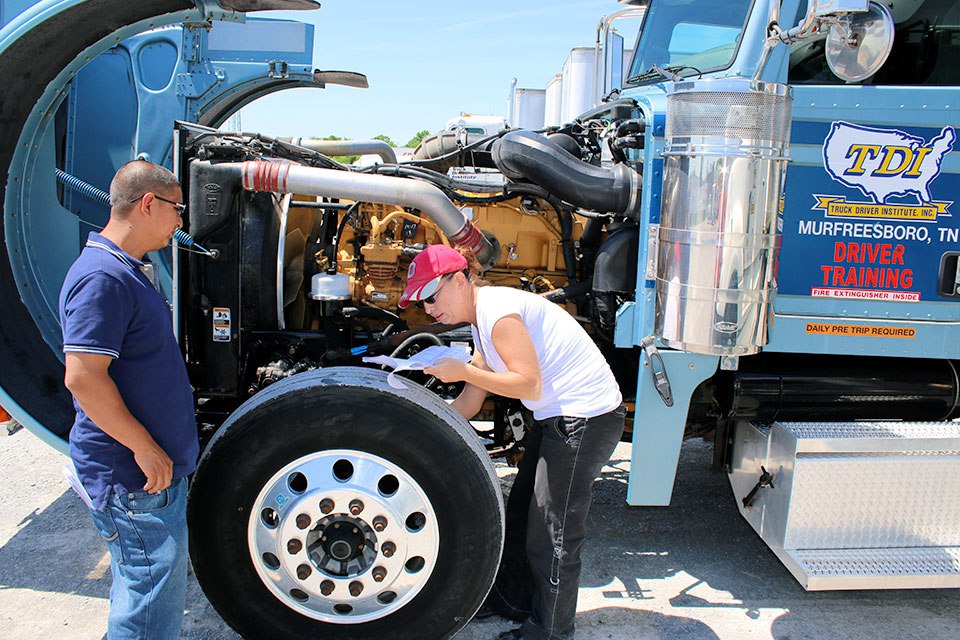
column 858, row 294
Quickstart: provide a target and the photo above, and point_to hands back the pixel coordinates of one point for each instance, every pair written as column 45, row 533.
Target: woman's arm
column 513, row 344
column 470, row 400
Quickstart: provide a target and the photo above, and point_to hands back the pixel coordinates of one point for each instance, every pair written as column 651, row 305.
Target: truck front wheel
column 332, row 505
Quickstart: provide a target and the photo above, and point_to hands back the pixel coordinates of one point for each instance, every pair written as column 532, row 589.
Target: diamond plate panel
column 937, row 430
column 860, row 501
column 878, row 562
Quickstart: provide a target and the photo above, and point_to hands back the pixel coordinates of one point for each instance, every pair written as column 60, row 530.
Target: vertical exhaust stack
column 725, row 155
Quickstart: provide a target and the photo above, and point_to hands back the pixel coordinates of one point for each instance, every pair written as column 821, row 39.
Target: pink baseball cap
column 423, row 276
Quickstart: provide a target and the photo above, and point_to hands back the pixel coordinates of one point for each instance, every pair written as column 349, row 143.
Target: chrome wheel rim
column 343, row 536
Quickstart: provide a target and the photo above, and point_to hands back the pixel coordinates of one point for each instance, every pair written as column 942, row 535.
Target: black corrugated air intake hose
column 524, row 155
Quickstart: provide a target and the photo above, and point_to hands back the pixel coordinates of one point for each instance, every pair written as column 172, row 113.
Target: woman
column 531, row 349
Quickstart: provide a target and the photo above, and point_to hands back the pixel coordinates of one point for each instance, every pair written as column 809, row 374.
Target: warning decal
column 860, row 331
column 221, row 324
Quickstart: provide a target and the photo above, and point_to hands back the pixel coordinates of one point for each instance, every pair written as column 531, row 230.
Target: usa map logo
column 883, row 164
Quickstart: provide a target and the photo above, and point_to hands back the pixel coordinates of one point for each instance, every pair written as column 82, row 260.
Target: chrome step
column 892, row 568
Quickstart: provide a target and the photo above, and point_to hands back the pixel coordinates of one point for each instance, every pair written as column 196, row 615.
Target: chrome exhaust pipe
column 347, row 147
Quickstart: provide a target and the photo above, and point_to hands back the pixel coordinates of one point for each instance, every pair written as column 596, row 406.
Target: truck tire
column 332, row 505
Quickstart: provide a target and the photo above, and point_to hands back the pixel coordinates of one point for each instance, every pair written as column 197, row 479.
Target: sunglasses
column 179, row 206
column 432, row 298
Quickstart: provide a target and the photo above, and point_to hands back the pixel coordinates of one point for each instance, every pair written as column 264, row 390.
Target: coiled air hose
column 98, row 195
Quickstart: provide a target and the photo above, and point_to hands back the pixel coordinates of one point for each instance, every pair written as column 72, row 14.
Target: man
column 134, row 439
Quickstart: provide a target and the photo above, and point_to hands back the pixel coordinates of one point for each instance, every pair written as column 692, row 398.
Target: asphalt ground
column 694, row 570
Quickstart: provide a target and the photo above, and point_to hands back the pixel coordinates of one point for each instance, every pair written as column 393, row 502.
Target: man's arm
column 87, row 379
column 513, row 344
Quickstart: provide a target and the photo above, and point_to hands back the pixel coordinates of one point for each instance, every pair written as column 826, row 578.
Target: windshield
column 687, row 37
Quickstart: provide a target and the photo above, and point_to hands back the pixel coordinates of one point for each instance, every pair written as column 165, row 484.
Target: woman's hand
column 448, row 370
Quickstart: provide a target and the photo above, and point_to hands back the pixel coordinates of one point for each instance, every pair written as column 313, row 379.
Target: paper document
column 70, row 473
column 419, row 361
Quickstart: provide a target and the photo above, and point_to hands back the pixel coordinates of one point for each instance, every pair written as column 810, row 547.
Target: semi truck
column 760, row 233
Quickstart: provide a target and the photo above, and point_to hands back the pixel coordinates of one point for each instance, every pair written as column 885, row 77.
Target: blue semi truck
column 759, row 229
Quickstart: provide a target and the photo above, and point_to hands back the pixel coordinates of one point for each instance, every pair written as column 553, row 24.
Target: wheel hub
column 342, row 546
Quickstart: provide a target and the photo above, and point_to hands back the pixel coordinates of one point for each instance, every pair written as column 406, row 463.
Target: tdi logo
column 882, row 163
column 893, row 160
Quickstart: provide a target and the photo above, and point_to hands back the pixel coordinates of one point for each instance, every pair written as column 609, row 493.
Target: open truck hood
column 89, row 85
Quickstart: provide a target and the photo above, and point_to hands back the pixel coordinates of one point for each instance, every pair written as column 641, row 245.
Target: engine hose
column 569, row 292
column 336, row 238
column 101, row 196
column 449, row 150
column 566, row 238
column 434, row 177
column 523, row 155
column 416, row 338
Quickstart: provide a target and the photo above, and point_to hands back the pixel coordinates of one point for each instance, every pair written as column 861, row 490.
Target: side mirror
column 859, row 43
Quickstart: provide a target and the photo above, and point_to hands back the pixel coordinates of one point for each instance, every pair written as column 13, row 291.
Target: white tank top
column 576, row 378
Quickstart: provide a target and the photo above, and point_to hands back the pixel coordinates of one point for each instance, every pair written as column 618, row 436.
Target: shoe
column 512, row 634
column 488, row 610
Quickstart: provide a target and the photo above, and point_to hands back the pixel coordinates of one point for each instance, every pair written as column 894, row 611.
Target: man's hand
column 448, row 370
column 156, row 465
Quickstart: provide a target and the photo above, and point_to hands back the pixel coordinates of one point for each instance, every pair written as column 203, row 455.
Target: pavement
column 694, row 570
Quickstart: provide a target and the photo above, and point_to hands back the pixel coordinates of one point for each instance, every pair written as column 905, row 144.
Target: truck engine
column 321, row 272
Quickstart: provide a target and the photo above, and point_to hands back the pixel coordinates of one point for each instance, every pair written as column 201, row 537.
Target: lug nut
column 304, row 571
column 356, row 506
column 326, row 587
column 388, row 549
column 326, row 505
column 303, row 521
column 379, row 573
column 379, row 523
column 294, row 546
column 356, row 588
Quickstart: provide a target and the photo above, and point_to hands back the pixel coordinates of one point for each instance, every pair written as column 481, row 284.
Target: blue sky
column 426, row 61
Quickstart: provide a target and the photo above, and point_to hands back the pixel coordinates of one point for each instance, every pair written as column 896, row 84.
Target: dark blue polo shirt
column 109, row 307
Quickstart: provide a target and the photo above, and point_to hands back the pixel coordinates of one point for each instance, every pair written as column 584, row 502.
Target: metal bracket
column 657, row 370
column 278, row 69
column 653, row 250
column 729, row 363
column 212, row 10
column 190, row 43
column 194, row 85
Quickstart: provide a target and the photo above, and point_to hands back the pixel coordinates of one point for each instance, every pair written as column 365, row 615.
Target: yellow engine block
column 531, row 255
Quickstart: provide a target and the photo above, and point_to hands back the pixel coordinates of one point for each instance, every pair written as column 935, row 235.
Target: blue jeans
column 147, row 538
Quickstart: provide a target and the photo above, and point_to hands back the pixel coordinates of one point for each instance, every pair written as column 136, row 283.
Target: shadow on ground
column 57, row 550
column 704, row 545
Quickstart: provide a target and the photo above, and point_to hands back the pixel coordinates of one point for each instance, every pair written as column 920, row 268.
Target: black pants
column 546, row 521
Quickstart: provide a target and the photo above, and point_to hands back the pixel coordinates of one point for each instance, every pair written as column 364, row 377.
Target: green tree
column 385, row 138
column 417, row 138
